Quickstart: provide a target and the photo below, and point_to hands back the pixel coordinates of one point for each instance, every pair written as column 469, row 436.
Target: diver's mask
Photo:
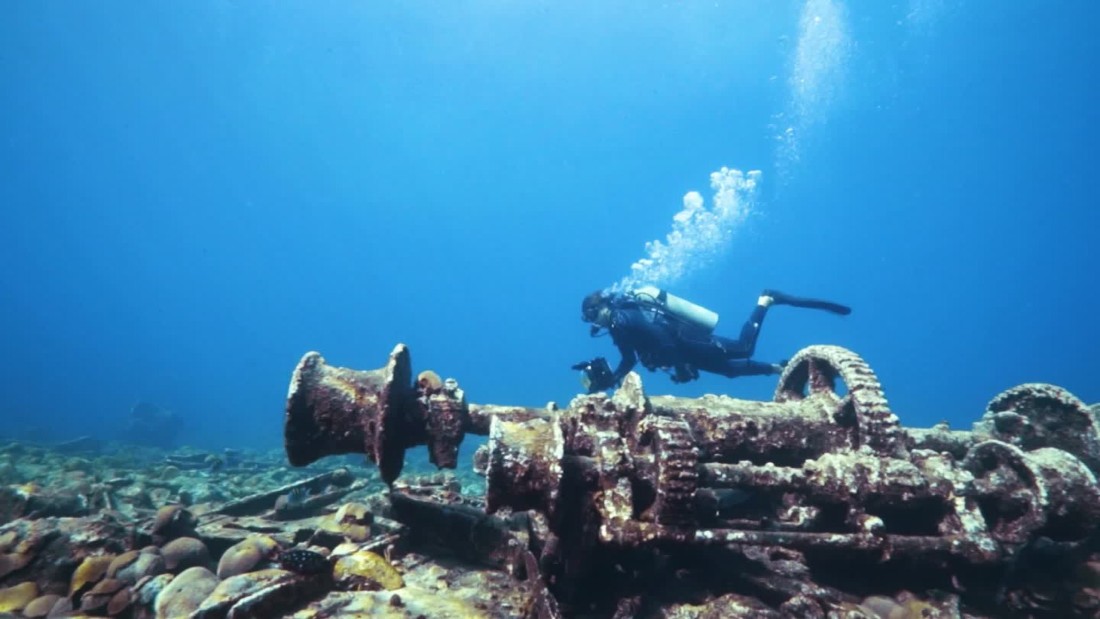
column 591, row 312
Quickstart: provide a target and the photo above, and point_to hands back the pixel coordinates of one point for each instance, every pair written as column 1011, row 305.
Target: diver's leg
column 745, row 345
column 782, row 298
column 759, row 368
column 733, row 368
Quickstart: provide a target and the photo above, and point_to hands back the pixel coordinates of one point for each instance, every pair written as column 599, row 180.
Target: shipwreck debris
column 824, row 472
column 309, row 496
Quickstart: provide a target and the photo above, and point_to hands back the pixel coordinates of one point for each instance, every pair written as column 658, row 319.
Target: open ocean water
column 192, row 195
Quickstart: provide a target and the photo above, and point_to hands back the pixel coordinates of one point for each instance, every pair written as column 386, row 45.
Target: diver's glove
column 596, row 374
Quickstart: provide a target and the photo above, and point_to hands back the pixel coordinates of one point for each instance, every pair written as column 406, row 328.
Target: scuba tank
column 695, row 315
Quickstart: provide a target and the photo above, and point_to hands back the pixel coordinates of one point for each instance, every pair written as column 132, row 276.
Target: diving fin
column 782, row 298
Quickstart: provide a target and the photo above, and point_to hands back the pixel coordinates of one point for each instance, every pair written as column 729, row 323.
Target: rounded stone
column 366, row 570
column 132, row 566
column 121, row 561
column 270, row 582
column 17, row 597
column 173, row 521
column 63, row 607
column 13, row 562
column 97, row 598
column 120, row 601
column 353, row 521
column 149, row 588
column 185, row 593
column 89, row 572
column 184, row 552
column 246, row 555
column 882, row 606
column 41, row 606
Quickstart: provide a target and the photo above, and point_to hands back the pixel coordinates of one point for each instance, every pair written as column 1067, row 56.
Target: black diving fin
column 782, row 298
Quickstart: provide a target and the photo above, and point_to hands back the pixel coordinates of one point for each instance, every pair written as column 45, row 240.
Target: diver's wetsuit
column 658, row 340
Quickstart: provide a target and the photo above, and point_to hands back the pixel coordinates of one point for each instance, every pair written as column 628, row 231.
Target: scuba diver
column 666, row 332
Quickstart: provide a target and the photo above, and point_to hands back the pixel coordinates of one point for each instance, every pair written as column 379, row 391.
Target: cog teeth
column 877, row 426
column 677, row 476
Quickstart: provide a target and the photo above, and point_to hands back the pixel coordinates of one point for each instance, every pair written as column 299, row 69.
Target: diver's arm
column 597, row 376
column 626, row 363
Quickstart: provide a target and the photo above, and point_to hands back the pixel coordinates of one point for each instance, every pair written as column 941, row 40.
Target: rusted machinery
column 825, row 470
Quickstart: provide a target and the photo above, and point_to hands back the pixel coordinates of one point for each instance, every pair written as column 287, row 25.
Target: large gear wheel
column 1023, row 492
column 813, row 373
column 673, row 475
column 1035, row 415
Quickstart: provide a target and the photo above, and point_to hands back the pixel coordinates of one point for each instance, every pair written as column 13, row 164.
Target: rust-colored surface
column 332, row 410
column 617, row 490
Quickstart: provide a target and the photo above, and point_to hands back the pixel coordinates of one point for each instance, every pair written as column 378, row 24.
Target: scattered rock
column 89, row 572
column 17, row 597
column 185, row 593
column 247, row 555
column 41, row 606
column 254, row 593
column 134, row 565
column 96, row 599
column 364, row 570
column 185, row 552
column 173, row 521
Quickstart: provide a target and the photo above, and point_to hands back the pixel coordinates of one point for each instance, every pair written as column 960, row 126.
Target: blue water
column 194, row 194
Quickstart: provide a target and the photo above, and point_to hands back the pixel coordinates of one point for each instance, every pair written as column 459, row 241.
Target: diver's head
column 596, row 309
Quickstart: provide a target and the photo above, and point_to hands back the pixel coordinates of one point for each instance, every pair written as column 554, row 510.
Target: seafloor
column 816, row 504
column 106, row 528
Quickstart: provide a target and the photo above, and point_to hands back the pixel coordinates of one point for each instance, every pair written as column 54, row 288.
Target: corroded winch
column 821, row 470
column 332, row 410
